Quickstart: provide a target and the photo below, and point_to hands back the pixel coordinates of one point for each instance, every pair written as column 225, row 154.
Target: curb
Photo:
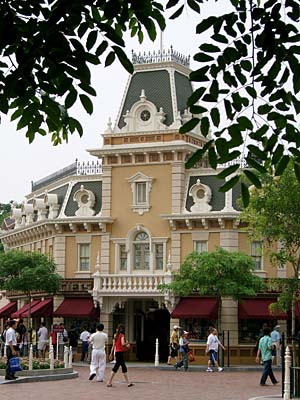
column 42, row 378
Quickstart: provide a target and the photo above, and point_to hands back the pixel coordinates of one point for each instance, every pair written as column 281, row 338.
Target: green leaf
column 245, row 194
column 246, row 65
column 91, row 39
column 71, row 98
column 17, row 113
column 171, row 3
column 254, row 164
column 110, row 58
column 251, row 91
column 101, row 48
column 123, row 59
column 212, row 157
column 204, row 126
column 236, row 135
column 203, row 57
column 88, row 89
column 281, row 166
column 228, row 171
column 205, row 24
column 220, row 38
column 200, row 75
column 198, row 110
column 197, row 156
column 264, row 109
column 86, row 102
column 245, row 123
column 194, row 5
column 215, row 116
column 209, row 48
column 189, row 126
column 195, row 96
column 222, row 147
column 177, row 13
column 260, row 154
column 228, row 109
column 253, row 178
column 229, row 184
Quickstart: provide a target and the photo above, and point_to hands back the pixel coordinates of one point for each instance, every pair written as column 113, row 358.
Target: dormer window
column 141, row 186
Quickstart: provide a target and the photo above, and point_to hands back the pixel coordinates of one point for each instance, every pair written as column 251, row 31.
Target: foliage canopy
column 219, row 273
column 273, row 216
column 28, row 272
column 249, row 81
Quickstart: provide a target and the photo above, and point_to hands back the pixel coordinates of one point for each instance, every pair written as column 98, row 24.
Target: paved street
column 150, row 383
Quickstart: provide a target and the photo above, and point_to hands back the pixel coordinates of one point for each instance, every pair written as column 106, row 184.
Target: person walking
column 84, row 337
column 73, row 340
column 174, row 343
column 98, row 341
column 265, row 352
column 42, row 339
column 212, row 347
column 183, row 349
column 11, row 348
column 121, row 345
column 276, row 342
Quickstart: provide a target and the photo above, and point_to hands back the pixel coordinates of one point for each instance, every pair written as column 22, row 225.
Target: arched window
column 141, row 251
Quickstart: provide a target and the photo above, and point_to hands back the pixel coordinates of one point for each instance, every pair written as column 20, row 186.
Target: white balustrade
column 156, row 360
column 70, row 357
column 66, row 357
column 287, row 374
column 51, row 356
column 130, row 283
column 30, row 362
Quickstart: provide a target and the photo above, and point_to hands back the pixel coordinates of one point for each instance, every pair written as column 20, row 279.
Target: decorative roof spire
column 160, row 56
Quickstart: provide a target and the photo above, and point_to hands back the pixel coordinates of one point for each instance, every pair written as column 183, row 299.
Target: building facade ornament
column 86, row 201
column 201, row 196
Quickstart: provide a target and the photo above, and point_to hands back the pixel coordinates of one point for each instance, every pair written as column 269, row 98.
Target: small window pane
column 141, row 193
column 84, row 257
column 159, row 256
column 200, row 246
column 256, row 254
column 123, row 257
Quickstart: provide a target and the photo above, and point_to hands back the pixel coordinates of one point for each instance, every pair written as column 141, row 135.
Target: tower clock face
column 145, row 115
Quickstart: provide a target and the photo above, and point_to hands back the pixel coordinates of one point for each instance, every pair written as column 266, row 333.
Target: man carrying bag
column 11, row 348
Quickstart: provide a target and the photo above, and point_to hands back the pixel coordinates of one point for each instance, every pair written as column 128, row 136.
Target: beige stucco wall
column 122, row 199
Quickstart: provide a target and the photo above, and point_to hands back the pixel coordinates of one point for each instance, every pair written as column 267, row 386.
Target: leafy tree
column 28, row 272
column 273, row 215
column 219, row 274
column 248, row 76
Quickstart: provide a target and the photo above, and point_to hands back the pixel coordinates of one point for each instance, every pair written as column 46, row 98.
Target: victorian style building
column 119, row 227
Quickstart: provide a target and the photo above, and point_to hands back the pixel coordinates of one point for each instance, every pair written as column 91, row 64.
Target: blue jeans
column 267, row 371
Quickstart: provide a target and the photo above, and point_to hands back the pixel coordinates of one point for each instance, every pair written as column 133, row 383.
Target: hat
column 185, row 332
column 277, row 327
column 176, row 327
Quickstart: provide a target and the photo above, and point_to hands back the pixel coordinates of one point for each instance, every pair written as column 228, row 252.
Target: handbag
column 126, row 347
column 191, row 357
column 14, row 364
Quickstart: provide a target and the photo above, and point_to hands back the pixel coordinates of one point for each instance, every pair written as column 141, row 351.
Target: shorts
column 42, row 346
column 173, row 352
column 213, row 356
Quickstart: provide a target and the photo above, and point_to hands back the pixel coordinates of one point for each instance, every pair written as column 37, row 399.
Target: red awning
column 196, row 307
column 8, row 309
column 77, row 307
column 258, row 309
column 18, row 314
column 42, row 309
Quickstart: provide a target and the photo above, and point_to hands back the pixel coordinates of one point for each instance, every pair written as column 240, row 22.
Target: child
column 212, row 347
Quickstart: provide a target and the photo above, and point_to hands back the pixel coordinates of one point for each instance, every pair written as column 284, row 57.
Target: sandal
column 130, row 384
column 109, row 385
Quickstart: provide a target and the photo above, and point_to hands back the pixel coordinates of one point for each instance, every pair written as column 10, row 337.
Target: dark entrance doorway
column 156, row 326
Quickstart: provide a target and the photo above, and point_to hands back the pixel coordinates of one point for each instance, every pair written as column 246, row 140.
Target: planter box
column 41, row 372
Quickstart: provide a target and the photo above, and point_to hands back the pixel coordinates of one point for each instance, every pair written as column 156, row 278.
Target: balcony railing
column 130, row 283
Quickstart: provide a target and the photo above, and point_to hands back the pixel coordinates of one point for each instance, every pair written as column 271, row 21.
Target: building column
column 59, row 254
column 107, row 320
column 178, row 178
column 104, row 253
column 106, row 191
column 175, row 251
column 229, row 321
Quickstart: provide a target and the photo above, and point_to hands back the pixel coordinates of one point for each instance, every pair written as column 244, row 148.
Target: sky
column 21, row 163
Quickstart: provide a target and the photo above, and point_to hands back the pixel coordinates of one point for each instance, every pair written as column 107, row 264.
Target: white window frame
column 144, row 252
column 203, row 245
column 80, row 246
column 256, row 245
column 138, row 206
